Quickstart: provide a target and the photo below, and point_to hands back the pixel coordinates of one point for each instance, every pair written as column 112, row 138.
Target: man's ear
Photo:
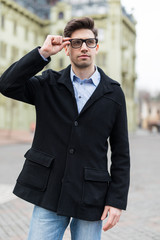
column 97, row 48
column 66, row 48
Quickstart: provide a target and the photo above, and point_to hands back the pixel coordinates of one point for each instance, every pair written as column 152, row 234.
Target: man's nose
column 84, row 46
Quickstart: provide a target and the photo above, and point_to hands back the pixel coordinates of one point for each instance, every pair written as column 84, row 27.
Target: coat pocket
column 36, row 170
column 95, row 186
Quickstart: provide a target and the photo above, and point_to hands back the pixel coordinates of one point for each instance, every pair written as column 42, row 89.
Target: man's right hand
column 52, row 45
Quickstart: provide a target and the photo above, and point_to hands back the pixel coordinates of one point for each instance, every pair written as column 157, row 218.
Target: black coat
column 66, row 168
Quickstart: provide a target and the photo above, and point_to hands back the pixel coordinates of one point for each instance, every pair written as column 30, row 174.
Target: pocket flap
column 39, row 157
column 96, row 175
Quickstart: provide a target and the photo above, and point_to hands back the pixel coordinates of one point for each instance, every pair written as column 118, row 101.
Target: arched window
column 2, row 21
column 60, row 15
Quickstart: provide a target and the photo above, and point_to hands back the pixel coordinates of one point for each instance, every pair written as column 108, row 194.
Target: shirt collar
column 95, row 77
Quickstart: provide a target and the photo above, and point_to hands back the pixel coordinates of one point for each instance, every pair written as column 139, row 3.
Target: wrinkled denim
column 47, row 225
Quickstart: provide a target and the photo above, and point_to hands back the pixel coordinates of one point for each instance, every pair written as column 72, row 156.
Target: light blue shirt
column 83, row 89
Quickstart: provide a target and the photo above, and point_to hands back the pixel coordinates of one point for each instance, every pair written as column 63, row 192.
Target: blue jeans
column 47, row 225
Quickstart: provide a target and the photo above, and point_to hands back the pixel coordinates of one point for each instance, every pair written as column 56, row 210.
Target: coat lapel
column 103, row 87
column 65, row 80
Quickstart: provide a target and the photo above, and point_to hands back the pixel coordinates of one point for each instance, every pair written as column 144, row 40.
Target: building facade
column 21, row 31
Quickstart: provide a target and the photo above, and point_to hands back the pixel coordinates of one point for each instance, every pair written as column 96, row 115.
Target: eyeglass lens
column 77, row 43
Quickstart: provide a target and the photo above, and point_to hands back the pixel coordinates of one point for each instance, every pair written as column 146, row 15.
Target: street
column 141, row 221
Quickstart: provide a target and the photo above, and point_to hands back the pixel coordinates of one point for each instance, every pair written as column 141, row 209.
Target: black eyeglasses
column 77, row 42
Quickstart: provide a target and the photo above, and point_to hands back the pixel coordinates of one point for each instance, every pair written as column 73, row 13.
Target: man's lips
column 84, row 56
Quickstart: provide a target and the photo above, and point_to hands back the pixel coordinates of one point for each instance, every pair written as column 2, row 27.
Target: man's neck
column 83, row 73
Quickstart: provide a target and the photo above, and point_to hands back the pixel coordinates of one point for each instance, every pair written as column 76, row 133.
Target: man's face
column 84, row 56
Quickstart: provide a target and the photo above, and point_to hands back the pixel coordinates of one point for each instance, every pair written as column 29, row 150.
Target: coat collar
column 105, row 86
column 94, row 79
column 65, row 79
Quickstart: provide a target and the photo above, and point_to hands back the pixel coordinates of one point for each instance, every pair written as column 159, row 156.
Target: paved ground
column 141, row 221
column 8, row 137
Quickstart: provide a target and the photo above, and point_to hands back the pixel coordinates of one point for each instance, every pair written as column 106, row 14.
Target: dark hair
column 81, row 23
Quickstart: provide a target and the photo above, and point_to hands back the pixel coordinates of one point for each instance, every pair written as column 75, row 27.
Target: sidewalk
column 15, row 136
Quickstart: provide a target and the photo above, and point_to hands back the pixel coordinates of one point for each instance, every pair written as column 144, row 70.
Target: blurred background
column 129, row 38
column 129, row 43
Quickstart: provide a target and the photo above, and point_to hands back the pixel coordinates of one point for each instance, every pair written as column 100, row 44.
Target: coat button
column 75, row 123
column 71, row 150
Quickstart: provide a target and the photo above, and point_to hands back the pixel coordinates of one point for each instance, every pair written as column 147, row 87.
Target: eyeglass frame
column 83, row 40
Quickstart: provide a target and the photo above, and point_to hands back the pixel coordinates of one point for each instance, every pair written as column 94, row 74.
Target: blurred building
column 149, row 111
column 39, row 7
column 22, row 29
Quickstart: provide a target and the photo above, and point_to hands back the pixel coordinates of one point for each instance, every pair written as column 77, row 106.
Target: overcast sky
column 147, row 14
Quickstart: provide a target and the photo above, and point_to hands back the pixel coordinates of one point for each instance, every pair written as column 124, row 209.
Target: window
column 2, row 21
column 61, row 63
column 14, row 53
column 26, row 33
column 60, row 15
column 3, row 49
column 15, row 28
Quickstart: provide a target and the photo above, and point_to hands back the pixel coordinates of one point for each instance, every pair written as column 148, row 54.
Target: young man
column 78, row 110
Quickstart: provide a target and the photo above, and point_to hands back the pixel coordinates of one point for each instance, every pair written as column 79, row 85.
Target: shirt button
column 71, row 150
column 75, row 123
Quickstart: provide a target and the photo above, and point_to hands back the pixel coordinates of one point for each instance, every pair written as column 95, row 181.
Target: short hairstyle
column 81, row 23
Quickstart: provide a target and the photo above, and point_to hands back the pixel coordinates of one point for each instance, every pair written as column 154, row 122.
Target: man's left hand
column 114, row 216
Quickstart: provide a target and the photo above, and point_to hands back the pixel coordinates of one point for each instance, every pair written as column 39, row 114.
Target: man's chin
column 82, row 65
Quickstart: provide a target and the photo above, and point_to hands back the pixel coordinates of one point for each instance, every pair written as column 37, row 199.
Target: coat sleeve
column 120, row 158
column 18, row 81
